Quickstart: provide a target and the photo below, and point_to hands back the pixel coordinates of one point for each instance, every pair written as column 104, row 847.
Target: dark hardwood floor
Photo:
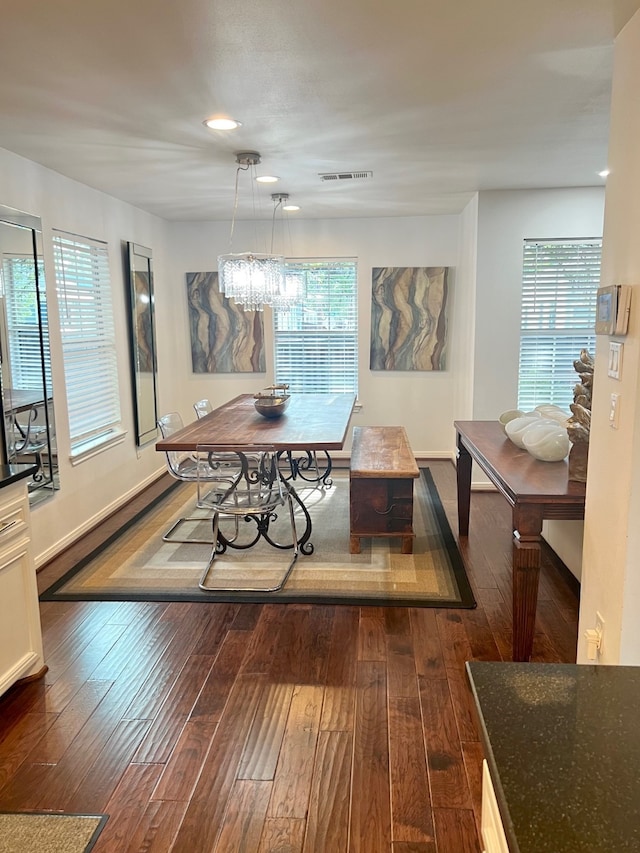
column 290, row 728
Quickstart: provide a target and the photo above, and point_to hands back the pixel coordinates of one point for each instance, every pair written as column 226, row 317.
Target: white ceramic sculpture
column 546, row 440
column 516, row 428
column 554, row 413
column 510, row 415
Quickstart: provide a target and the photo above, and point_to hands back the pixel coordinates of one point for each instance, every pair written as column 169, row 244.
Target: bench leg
column 354, row 545
column 407, row 544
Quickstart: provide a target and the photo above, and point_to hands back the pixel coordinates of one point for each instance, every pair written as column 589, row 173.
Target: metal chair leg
column 277, row 587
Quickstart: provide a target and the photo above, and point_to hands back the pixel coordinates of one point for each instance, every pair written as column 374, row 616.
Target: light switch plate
column 615, row 360
column 614, row 411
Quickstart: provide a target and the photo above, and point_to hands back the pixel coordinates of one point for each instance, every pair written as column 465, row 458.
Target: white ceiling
column 438, row 98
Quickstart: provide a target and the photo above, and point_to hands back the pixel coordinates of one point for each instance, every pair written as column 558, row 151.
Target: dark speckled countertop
column 562, row 742
column 11, row 473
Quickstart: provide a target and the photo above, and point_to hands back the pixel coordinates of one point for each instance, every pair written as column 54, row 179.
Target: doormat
column 49, row 833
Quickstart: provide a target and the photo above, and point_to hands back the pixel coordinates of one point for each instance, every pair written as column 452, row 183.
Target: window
column 88, row 339
column 560, row 280
column 316, row 341
column 24, row 350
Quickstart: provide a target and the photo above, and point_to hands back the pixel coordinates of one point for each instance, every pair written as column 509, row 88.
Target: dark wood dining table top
column 310, row 422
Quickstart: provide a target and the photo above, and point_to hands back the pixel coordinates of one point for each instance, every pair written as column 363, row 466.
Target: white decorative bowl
column 516, row 428
column 509, row 415
column 554, row 413
column 547, row 441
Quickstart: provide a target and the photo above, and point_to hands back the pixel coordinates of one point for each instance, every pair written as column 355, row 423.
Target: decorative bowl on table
column 272, row 402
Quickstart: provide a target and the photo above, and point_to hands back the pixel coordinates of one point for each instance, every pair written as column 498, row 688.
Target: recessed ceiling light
column 267, row 179
column 222, row 123
column 290, row 207
column 604, row 173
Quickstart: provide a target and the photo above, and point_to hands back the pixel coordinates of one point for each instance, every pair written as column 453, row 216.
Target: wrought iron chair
column 202, row 408
column 187, row 467
column 253, row 494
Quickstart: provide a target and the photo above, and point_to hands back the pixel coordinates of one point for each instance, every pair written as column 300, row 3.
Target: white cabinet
column 493, row 837
column 20, row 632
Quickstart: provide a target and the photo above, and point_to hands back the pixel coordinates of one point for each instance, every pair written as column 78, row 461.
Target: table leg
column 463, row 480
column 527, row 523
column 306, row 467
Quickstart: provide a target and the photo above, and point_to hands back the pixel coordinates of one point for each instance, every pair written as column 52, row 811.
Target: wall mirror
column 143, row 342
column 26, row 389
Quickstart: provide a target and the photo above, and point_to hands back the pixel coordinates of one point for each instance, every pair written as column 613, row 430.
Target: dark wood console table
column 536, row 491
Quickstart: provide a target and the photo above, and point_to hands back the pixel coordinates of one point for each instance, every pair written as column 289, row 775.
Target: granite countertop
column 562, row 742
column 12, row 473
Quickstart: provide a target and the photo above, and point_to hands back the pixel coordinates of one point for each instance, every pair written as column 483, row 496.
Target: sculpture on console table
column 579, row 424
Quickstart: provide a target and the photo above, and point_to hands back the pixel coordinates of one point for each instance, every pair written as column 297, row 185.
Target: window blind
column 559, row 284
column 23, row 328
column 88, row 338
column 316, row 341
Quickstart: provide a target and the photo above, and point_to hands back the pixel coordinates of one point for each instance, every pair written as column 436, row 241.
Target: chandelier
column 255, row 279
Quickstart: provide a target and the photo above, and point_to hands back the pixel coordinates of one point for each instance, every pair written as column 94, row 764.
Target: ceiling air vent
column 345, row 176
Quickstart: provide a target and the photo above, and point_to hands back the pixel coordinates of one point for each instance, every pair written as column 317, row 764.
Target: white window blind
column 24, row 348
column 88, row 338
column 316, row 341
column 560, row 279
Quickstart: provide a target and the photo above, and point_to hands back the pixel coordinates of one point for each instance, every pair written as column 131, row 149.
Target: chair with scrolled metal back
column 187, row 467
column 254, row 494
column 202, row 407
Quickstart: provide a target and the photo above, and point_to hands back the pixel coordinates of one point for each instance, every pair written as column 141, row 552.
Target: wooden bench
column 381, row 477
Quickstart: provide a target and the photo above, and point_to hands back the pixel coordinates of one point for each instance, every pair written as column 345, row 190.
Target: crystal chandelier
column 254, row 279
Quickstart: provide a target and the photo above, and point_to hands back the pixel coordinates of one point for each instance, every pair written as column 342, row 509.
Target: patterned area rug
column 49, row 833
column 138, row 565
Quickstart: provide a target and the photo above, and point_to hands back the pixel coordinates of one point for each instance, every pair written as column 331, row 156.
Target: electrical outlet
column 599, row 631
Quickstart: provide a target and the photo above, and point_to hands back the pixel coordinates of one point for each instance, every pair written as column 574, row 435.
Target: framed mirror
column 26, row 388
column 143, row 342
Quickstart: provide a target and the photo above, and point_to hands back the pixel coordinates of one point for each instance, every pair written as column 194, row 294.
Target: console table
column 535, row 490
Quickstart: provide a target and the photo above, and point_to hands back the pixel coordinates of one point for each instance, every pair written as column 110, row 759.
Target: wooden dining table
column 312, row 424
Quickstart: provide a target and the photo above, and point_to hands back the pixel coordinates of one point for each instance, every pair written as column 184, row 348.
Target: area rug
column 138, row 565
column 49, row 833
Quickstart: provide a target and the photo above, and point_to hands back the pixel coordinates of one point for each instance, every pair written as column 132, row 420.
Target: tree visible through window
column 560, row 279
column 88, row 339
column 316, row 341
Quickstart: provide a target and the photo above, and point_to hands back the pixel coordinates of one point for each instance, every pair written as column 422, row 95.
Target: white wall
column 423, row 402
column 464, row 313
column 611, row 565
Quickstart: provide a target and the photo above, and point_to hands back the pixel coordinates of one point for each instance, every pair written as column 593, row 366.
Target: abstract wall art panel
column 224, row 337
column 408, row 318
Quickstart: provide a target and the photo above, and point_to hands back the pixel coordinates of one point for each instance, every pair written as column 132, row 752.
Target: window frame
column 560, row 277
column 322, row 361
column 89, row 346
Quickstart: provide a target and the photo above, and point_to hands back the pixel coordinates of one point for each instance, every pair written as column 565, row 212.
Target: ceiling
column 437, row 98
